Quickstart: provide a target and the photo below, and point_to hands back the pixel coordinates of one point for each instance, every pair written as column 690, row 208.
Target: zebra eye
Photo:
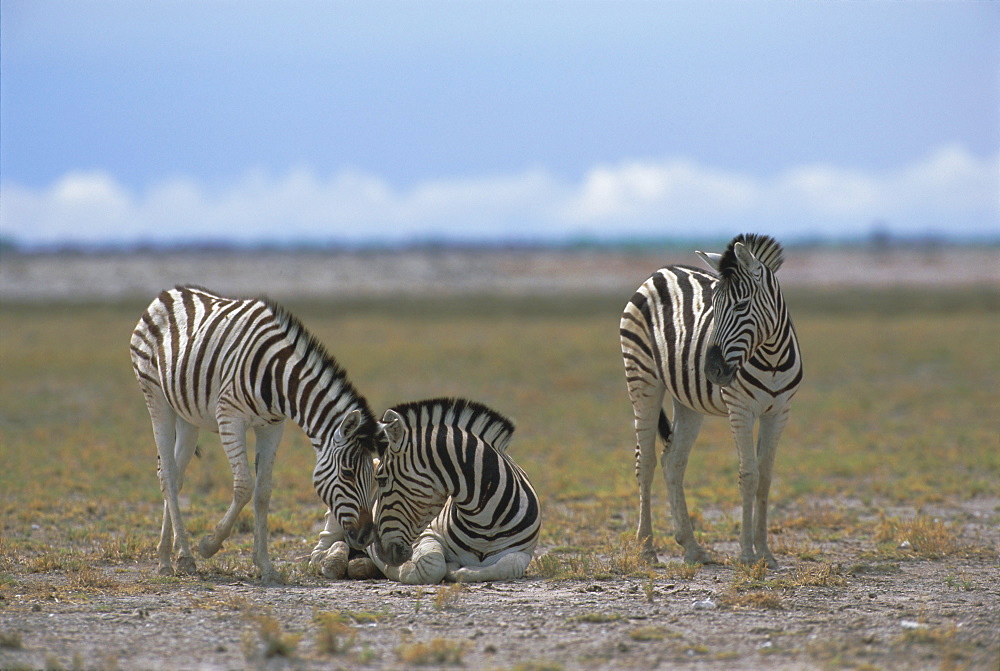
column 382, row 480
column 347, row 472
column 742, row 305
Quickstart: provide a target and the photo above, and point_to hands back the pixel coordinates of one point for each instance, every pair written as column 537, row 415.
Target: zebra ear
column 348, row 426
column 711, row 259
column 392, row 426
column 747, row 259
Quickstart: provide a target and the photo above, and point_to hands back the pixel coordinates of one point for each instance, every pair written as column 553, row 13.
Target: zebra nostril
column 717, row 369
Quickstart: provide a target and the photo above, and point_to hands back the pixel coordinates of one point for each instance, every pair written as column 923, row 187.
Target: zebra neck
column 318, row 399
column 773, row 353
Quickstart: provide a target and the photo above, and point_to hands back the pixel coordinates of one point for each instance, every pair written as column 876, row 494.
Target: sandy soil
column 874, row 611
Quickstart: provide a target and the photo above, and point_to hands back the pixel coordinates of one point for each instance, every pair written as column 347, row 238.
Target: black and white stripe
column 229, row 365
column 721, row 343
column 452, row 504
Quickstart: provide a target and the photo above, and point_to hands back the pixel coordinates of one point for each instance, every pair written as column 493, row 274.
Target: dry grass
column 267, row 638
column 613, row 557
column 922, row 535
column 437, row 651
column 652, row 633
column 891, row 413
column 448, row 596
column 334, row 635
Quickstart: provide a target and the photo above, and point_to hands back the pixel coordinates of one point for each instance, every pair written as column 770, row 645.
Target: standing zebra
column 230, row 365
column 446, row 466
column 721, row 345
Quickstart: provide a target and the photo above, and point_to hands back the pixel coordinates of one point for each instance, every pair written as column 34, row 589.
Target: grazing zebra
column 446, row 466
column 721, row 345
column 230, row 365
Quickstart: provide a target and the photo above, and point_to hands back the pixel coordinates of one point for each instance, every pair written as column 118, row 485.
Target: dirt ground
column 847, row 603
column 865, row 610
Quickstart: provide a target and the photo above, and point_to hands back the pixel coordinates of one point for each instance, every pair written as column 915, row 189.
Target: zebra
column 721, row 343
column 228, row 365
column 452, row 504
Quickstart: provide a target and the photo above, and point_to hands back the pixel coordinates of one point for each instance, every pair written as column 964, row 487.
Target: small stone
column 703, row 604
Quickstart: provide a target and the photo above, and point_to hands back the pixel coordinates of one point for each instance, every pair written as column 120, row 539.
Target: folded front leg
column 330, row 556
column 426, row 567
column 508, row 567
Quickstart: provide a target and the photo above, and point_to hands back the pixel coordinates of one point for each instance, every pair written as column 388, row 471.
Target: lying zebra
column 452, row 505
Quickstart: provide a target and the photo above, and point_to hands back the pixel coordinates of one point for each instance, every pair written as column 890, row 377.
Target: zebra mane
column 470, row 416
column 316, row 354
column 767, row 250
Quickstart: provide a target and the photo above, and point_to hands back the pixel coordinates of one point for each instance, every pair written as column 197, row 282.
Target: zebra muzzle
column 361, row 533
column 716, row 369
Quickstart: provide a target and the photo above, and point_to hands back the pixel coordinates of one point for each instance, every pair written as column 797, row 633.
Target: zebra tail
column 664, row 428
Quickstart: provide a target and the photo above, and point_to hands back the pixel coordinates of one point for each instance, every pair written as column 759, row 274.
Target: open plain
column 885, row 506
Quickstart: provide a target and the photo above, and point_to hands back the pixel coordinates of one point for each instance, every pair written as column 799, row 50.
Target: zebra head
column 345, row 477
column 408, row 496
column 746, row 304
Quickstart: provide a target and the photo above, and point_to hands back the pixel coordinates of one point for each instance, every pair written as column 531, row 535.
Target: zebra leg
column 687, row 424
column 507, row 567
column 184, row 447
column 427, row 566
column 741, row 423
column 165, row 547
column 172, row 533
column 266, row 448
column 233, row 432
column 332, row 564
column 769, row 433
column 325, row 557
column 647, row 404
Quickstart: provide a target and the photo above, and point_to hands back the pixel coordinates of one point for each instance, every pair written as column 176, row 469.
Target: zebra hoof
column 362, row 568
column 698, row 556
column 208, row 547
column 334, row 565
column 769, row 561
column 271, row 578
column 185, row 565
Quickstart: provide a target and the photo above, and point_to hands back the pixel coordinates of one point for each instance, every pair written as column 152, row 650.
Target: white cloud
column 949, row 191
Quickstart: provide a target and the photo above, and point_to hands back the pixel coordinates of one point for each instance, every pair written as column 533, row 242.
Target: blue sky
column 386, row 122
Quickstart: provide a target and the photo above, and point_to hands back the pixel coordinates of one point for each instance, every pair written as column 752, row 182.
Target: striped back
column 214, row 357
column 450, row 455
